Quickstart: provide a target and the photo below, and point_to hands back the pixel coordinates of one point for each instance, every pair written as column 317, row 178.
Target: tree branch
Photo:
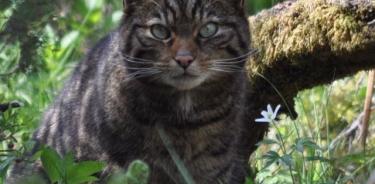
column 307, row 43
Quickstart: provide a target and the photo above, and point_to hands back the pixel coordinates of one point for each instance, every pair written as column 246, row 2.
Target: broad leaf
column 52, row 164
column 83, row 172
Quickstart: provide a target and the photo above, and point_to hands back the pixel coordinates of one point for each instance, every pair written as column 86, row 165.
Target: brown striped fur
column 108, row 112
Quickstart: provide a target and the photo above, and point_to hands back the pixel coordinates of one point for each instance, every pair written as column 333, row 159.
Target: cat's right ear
column 127, row 4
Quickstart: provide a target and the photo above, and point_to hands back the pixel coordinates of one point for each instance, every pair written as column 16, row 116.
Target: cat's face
column 184, row 43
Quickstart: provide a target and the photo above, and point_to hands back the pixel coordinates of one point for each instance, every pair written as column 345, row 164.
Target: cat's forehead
column 174, row 11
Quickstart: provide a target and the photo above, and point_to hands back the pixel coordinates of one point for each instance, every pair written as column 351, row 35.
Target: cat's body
column 107, row 111
column 134, row 110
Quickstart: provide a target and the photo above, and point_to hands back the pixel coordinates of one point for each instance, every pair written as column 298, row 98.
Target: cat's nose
column 184, row 59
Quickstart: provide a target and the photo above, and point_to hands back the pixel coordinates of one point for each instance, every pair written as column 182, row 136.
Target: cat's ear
column 126, row 3
column 129, row 3
column 240, row 4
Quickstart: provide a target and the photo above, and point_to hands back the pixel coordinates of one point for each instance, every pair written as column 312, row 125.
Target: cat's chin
column 185, row 82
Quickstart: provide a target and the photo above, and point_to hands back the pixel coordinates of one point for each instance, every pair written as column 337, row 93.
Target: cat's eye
column 208, row 30
column 160, row 32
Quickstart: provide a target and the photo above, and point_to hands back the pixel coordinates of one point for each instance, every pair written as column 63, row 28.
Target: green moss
column 307, row 27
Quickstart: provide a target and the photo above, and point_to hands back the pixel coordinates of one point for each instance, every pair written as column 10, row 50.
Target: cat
column 172, row 66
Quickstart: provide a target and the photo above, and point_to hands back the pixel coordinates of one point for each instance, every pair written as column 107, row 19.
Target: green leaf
column 271, row 157
column 138, row 173
column 316, row 158
column 287, row 159
column 312, row 145
column 82, row 172
column 68, row 160
column 4, row 165
column 69, row 39
column 306, row 143
column 299, row 146
column 37, row 155
column 52, row 164
column 249, row 181
column 268, row 142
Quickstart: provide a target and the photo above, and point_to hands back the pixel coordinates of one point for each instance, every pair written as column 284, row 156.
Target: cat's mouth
column 185, row 80
column 185, row 76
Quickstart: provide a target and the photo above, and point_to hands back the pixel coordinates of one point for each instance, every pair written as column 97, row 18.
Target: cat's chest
column 202, row 150
column 190, row 144
column 185, row 103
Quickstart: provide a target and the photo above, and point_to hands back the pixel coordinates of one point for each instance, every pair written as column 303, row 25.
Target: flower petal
column 277, row 109
column 269, row 108
column 262, row 120
column 274, row 114
column 264, row 114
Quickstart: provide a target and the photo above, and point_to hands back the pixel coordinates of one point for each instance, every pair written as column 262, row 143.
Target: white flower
column 269, row 115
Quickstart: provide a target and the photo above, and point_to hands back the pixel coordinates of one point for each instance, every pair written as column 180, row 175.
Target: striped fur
column 130, row 83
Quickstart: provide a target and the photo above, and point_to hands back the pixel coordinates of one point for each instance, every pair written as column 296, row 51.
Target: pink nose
column 184, row 59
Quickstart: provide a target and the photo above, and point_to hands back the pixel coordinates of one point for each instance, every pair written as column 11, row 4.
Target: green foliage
column 257, row 5
column 301, row 151
column 62, row 42
column 137, row 173
column 63, row 170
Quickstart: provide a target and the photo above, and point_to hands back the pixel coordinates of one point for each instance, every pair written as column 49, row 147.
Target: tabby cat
column 172, row 65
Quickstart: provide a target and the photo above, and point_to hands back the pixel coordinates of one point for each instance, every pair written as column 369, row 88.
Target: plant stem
column 283, row 148
column 175, row 157
column 367, row 109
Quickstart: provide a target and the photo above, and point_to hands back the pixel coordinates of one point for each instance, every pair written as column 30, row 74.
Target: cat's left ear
column 126, row 3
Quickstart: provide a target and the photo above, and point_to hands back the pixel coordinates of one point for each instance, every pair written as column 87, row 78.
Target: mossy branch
column 307, row 43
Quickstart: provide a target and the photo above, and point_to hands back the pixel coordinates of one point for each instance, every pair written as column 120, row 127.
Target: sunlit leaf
column 69, row 39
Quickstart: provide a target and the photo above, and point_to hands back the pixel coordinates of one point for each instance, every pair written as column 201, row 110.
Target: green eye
column 208, row 30
column 160, row 32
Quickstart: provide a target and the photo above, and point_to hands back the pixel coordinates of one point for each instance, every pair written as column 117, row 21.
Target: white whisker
column 231, row 62
column 226, row 70
column 147, row 68
column 226, row 66
column 138, row 62
column 142, row 72
column 139, row 75
column 236, row 58
column 157, row 65
column 136, row 59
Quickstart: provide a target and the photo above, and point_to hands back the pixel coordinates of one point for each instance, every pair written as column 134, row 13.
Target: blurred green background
column 41, row 41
